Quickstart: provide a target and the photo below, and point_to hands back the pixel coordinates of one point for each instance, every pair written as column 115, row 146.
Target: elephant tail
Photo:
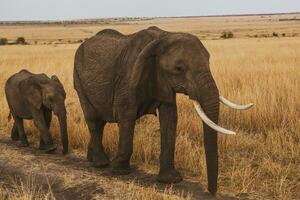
column 9, row 116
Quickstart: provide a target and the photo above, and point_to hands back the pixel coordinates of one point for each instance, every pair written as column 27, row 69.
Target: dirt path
column 72, row 177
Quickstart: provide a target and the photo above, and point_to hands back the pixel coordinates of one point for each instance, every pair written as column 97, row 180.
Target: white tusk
column 209, row 122
column 235, row 106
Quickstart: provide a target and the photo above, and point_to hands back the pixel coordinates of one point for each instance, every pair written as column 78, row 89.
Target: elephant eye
column 180, row 68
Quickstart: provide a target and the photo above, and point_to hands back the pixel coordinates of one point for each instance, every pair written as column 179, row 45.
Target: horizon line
column 153, row 17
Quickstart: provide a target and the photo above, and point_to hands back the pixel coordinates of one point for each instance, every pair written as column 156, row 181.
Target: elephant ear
column 142, row 62
column 163, row 90
column 55, row 78
column 57, row 81
column 144, row 67
column 32, row 91
column 141, row 69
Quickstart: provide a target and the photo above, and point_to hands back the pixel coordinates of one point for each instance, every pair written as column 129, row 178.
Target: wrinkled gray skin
column 35, row 96
column 120, row 78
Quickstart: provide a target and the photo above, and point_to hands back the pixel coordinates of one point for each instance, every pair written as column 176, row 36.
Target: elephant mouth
column 210, row 123
column 180, row 89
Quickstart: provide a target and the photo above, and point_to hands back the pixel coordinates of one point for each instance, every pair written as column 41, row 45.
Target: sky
column 84, row 9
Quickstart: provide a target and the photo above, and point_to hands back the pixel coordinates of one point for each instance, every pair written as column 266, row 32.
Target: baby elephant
column 35, row 96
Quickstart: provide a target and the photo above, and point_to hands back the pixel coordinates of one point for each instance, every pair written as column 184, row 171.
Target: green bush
column 227, row 35
column 21, row 40
column 3, row 41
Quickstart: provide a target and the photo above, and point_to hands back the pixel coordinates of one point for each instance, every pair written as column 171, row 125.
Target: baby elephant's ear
column 31, row 89
column 55, row 78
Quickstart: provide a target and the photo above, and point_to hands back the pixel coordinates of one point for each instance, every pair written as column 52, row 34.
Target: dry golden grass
column 25, row 190
column 31, row 190
column 153, row 193
column 261, row 162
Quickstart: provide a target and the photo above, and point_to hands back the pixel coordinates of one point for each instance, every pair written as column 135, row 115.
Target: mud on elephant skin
column 120, row 78
column 36, row 96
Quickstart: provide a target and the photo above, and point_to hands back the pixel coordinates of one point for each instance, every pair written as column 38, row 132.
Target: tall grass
column 262, row 161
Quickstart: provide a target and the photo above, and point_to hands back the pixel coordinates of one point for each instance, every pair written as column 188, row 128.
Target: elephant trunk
column 62, row 117
column 208, row 97
column 207, row 103
column 211, row 108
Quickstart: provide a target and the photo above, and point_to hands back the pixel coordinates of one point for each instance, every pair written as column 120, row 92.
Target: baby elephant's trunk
column 62, row 117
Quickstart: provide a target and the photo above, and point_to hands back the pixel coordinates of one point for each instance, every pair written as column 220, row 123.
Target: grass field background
column 261, row 162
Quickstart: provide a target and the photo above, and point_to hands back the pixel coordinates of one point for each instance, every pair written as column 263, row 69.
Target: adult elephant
column 120, row 78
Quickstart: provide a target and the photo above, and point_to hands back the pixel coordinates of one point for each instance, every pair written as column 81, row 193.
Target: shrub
column 21, row 40
column 283, row 34
column 275, row 34
column 3, row 41
column 227, row 35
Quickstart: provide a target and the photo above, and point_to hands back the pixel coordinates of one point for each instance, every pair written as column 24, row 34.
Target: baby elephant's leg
column 14, row 133
column 40, row 123
column 48, row 118
column 20, row 127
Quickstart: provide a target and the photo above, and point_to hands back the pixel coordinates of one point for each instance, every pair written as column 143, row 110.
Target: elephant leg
column 168, row 123
column 42, row 144
column 14, row 133
column 89, row 154
column 43, row 127
column 48, row 118
column 96, row 153
column 121, row 164
column 20, row 128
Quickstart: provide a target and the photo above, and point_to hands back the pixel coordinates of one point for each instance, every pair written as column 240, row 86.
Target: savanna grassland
column 261, row 162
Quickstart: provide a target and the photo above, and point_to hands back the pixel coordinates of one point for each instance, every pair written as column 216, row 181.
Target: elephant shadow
column 141, row 178
column 138, row 177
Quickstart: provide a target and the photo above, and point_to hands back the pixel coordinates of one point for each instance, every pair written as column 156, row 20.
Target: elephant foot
column 89, row 155
column 14, row 137
column 100, row 162
column 120, row 167
column 65, row 152
column 14, row 134
column 169, row 176
column 23, row 141
column 49, row 148
column 24, row 144
column 42, row 147
column 212, row 188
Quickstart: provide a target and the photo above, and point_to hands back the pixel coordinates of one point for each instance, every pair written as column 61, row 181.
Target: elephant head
column 179, row 63
column 40, row 91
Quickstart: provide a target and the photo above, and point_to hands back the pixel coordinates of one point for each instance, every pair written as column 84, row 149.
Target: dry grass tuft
column 25, row 189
